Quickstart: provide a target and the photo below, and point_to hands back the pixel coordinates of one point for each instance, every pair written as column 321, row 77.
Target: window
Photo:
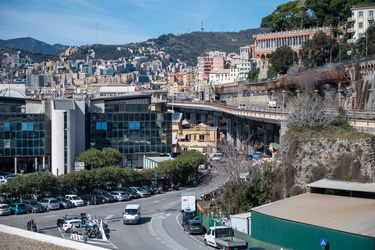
column 360, row 14
column 371, row 14
column 360, row 25
column 101, row 125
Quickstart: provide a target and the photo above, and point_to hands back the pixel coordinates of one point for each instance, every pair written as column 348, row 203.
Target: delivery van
column 132, row 214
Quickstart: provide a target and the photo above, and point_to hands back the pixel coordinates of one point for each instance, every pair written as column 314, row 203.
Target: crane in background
column 53, row 84
column 77, row 82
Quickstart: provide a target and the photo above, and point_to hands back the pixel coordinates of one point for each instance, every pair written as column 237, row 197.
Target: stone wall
column 302, row 161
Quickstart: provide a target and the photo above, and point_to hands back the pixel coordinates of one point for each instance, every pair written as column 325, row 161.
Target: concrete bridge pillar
column 240, row 128
column 216, row 121
column 204, row 118
column 230, row 130
column 193, row 118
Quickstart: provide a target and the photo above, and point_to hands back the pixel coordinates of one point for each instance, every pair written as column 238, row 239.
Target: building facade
column 362, row 17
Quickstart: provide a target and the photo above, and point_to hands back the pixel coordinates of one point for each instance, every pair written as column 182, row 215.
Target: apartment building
column 362, row 17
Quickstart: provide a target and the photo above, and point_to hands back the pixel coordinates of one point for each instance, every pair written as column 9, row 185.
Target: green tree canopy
column 288, row 16
column 316, row 52
column 282, row 59
column 94, row 158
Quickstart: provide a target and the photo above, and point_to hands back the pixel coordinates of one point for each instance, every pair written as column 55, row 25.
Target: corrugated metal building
column 300, row 222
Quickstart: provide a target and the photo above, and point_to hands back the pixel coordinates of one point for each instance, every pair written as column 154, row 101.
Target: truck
column 222, row 237
column 187, row 201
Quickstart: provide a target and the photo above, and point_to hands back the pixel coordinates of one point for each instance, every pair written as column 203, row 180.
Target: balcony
column 351, row 40
column 370, row 18
column 351, row 19
column 350, row 30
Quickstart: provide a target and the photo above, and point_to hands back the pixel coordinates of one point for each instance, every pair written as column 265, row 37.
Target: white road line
column 108, row 217
column 158, row 201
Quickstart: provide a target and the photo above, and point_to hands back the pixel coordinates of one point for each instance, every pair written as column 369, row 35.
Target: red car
column 223, row 102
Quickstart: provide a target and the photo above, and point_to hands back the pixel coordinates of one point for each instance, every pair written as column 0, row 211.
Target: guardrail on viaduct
column 363, row 121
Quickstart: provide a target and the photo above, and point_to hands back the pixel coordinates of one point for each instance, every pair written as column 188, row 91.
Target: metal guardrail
column 362, row 120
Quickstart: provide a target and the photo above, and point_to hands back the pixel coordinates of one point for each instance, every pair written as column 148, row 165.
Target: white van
column 75, row 199
column 272, row 104
column 242, row 106
column 132, row 214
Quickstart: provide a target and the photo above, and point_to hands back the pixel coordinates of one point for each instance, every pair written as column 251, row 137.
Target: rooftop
column 346, row 214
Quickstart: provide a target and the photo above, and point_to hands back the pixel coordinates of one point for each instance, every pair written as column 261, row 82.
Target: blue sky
column 80, row 22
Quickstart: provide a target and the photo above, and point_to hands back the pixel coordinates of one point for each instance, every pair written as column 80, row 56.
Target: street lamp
column 340, row 93
column 370, row 90
column 283, row 92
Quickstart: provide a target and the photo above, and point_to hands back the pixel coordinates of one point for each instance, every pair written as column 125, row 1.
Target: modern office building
column 127, row 124
column 24, row 135
column 51, row 133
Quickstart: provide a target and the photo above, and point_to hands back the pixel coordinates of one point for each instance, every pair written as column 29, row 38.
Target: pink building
column 206, row 65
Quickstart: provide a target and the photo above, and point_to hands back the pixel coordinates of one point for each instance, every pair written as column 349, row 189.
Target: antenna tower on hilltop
column 202, row 29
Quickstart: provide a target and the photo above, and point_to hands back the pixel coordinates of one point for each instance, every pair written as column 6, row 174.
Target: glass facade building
column 128, row 126
column 22, row 135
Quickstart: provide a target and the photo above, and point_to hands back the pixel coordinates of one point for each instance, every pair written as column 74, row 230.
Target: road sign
column 156, row 175
column 323, row 242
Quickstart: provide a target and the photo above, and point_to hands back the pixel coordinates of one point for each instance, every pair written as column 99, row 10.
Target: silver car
column 50, row 203
column 34, row 206
column 120, row 195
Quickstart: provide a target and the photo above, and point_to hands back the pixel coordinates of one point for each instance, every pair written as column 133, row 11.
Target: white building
column 361, row 19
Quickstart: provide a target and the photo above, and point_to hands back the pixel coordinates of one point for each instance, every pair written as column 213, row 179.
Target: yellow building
column 201, row 138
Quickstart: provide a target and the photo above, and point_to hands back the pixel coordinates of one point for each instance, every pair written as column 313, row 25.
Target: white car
column 75, row 199
column 3, row 180
column 4, row 209
column 272, row 104
column 242, row 106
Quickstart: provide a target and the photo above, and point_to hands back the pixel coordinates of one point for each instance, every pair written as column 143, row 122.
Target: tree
column 282, row 59
column 328, row 12
column 365, row 43
column 253, row 74
column 111, row 157
column 316, row 52
column 94, row 158
column 288, row 16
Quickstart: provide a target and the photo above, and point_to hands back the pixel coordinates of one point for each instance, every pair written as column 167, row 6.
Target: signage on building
column 79, row 166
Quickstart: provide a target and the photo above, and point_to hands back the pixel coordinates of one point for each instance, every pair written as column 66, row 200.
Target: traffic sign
column 323, row 242
column 156, row 175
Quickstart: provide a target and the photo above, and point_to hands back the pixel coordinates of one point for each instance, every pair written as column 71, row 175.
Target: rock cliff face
column 302, row 161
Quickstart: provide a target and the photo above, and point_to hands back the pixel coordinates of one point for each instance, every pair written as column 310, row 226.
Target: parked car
column 103, row 196
column 188, row 215
column 223, row 102
column 33, row 206
column 3, row 179
column 91, row 199
column 271, row 104
column 64, row 202
column 193, row 227
column 132, row 193
column 61, row 221
column 75, row 199
column 17, row 208
column 4, row 209
column 75, row 226
column 120, row 195
column 216, row 157
column 50, row 203
column 140, row 191
column 10, row 177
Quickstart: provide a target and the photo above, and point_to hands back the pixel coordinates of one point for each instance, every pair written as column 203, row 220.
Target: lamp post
column 283, row 92
column 340, row 93
column 371, row 99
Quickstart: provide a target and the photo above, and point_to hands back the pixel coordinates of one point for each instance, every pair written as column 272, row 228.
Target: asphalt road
column 159, row 227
